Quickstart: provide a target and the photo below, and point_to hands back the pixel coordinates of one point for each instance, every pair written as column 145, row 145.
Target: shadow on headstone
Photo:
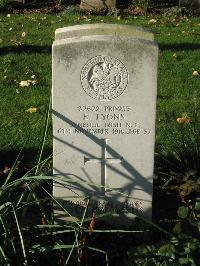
column 104, row 99
column 100, row 203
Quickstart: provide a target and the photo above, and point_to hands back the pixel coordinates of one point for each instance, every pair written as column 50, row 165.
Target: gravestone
column 193, row 4
column 102, row 29
column 97, row 4
column 104, row 106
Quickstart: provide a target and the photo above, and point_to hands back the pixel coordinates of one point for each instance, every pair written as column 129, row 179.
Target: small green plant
column 189, row 216
column 177, row 251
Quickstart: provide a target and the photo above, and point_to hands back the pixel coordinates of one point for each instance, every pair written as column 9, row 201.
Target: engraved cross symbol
column 103, row 161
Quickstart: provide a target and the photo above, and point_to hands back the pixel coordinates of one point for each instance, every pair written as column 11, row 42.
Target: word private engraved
column 104, row 78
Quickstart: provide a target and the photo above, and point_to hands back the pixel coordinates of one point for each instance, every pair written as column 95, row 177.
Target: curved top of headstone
column 103, row 29
column 104, row 39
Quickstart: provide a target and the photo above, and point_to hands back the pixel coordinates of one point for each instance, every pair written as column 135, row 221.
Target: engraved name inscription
column 106, row 120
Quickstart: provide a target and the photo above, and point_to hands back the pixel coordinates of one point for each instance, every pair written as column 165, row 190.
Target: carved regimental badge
column 104, row 78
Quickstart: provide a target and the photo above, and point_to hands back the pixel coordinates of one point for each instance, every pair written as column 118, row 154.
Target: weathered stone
column 103, row 29
column 97, row 4
column 193, row 4
column 104, row 102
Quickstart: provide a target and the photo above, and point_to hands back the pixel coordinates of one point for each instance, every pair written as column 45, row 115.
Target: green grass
column 22, row 57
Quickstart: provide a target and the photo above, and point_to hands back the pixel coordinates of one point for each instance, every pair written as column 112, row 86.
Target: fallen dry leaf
column 195, row 73
column 174, row 56
column 6, row 169
column 31, row 110
column 24, row 83
column 182, row 120
column 152, row 21
column 33, row 82
column 23, row 34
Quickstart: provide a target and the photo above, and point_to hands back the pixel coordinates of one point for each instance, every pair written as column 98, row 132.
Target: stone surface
column 98, row 4
column 194, row 4
column 104, row 105
column 103, row 29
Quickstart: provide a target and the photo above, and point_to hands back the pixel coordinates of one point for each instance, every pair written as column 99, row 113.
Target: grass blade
column 101, row 251
column 44, row 135
column 20, row 234
column 70, row 253
column 54, row 199
column 3, row 255
column 16, row 163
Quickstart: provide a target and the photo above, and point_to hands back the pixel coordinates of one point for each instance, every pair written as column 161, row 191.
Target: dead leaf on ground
column 33, row 82
column 195, row 73
column 24, row 83
column 183, row 120
column 6, row 169
column 31, row 110
column 27, row 83
column 174, row 56
column 152, row 21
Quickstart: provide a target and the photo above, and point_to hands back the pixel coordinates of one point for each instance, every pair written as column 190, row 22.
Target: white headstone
column 97, row 4
column 104, row 106
column 103, row 29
